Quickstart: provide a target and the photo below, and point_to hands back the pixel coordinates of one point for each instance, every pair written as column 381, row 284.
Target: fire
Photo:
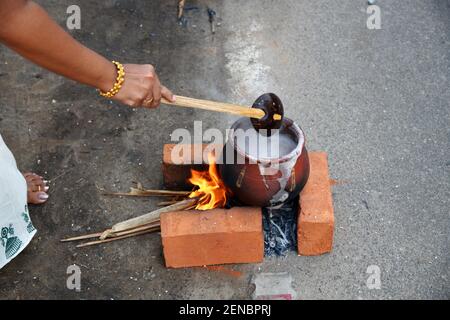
column 211, row 191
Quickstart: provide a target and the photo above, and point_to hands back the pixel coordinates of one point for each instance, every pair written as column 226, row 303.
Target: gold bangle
column 119, row 81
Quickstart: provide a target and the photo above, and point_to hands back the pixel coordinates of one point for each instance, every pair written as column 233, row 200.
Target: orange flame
column 211, row 191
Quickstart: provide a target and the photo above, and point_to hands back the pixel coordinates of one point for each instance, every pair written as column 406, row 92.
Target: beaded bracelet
column 119, row 81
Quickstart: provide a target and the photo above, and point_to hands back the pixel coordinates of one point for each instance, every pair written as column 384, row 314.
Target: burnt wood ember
column 280, row 229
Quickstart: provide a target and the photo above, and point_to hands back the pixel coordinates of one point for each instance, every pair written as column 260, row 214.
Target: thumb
column 166, row 93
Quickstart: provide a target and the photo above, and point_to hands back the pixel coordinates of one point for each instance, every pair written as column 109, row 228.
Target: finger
column 37, row 197
column 140, row 100
column 147, row 103
column 34, row 178
column 37, row 185
column 133, row 104
column 37, row 188
column 156, row 93
column 40, row 185
column 167, row 94
column 31, row 175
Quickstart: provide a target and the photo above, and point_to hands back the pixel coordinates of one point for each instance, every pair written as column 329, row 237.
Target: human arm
column 26, row 28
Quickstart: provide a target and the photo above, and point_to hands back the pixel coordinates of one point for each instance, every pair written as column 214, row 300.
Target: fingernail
column 46, row 181
column 46, row 188
column 174, row 98
column 42, row 196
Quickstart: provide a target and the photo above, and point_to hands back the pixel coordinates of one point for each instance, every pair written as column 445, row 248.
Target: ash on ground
column 280, row 229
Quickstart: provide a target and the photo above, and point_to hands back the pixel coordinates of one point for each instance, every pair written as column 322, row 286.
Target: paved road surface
column 376, row 100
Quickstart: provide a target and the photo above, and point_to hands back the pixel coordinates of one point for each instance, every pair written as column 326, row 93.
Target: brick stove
column 236, row 235
column 217, row 236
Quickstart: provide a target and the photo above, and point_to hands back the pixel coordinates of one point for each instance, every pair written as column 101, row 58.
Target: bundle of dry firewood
column 146, row 223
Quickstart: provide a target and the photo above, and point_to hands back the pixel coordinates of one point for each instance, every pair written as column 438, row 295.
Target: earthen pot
column 265, row 181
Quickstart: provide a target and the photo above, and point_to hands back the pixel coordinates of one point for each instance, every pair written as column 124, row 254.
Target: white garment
column 15, row 223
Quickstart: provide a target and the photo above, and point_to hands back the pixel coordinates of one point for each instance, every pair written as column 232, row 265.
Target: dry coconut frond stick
column 83, row 237
column 109, row 233
column 148, row 217
column 91, row 243
column 99, row 234
column 181, row 8
column 136, row 192
column 155, row 226
column 166, row 203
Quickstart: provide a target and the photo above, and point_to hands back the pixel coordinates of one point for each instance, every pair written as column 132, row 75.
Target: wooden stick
column 86, row 236
column 116, row 238
column 109, row 233
column 99, row 234
column 216, row 106
column 147, row 193
column 181, row 8
column 152, row 216
column 166, row 203
column 144, row 222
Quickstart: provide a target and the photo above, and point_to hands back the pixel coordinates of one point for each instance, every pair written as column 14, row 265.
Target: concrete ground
column 376, row 100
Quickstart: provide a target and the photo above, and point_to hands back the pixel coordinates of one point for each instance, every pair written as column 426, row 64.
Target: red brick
column 218, row 236
column 176, row 168
column 316, row 217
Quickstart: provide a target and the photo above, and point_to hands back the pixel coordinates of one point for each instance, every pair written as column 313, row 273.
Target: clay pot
column 265, row 182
